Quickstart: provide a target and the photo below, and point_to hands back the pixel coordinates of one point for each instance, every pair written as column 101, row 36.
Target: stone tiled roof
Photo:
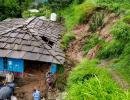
column 31, row 39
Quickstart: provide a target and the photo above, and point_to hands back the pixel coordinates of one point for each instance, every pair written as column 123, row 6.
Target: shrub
column 93, row 27
column 97, row 21
column 77, row 14
column 91, row 42
column 89, row 82
column 58, row 4
column 111, row 49
column 123, row 63
column 26, row 14
column 66, row 39
column 121, row 31
column 116, row 6
column 121, row 35
column 126, row 19
column 43, row 11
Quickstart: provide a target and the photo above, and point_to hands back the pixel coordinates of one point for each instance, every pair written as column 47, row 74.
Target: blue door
column 1, row 64
column 53, row 68
column 15, row 65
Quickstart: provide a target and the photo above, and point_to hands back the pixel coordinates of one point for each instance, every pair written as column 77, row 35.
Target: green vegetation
column 12, row 8
column 121, row 35
column 97, row 21
column 9, row 8
column 119, row 48
column 123, row 63
column 126, row 19
column 92, row 41
column 77, row 14
column 43, row 11
column 117, row 6
column 67, row 37
column 89, row 82
column 59, row 4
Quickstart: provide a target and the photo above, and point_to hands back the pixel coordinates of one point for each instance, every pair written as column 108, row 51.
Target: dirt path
column 122, row 83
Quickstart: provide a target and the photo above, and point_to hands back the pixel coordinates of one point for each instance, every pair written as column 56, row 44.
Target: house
column 28, row 42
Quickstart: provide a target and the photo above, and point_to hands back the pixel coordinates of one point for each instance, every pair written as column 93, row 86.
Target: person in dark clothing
column 48, row 75
column 6, row 91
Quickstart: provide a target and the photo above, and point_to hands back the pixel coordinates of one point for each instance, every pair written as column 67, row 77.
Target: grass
column 77, row 14
column 123, row 64
column 67, row 37
column 121, row 36
column 116, row 6
column 126, row 19
column 119, row 48
column 89, row 82
column 97, row 21
column 91, row 42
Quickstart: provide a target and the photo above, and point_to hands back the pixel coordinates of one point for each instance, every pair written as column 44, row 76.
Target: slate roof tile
column 21, row 38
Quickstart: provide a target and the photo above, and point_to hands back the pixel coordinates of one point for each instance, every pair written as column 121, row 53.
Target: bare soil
column 82, row 32
column 33, row 78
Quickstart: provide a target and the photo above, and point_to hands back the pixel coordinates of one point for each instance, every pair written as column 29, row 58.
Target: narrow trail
column 122, row 83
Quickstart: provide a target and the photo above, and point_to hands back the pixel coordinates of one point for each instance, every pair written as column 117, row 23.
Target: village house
column 31, row 43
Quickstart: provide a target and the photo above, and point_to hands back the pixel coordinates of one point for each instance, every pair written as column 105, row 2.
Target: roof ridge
column 19, row 26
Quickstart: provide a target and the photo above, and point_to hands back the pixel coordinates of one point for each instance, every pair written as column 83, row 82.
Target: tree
column 58, row 4
column 13, row 8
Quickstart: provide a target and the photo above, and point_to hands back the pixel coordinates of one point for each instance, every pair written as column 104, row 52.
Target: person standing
column 36, row 94
column 49, row 80
column 9, row 77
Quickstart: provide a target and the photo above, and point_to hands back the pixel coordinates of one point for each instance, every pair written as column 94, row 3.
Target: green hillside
column 96, row 41
column 85, row 82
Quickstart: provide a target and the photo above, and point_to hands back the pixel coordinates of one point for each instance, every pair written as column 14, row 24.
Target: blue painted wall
column 1, row 64
column 14, row 65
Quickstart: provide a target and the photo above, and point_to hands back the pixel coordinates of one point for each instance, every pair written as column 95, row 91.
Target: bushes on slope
column 77, row 14
column 116, row 6
column 119, row 48
column 121, row 36
column 123, row 63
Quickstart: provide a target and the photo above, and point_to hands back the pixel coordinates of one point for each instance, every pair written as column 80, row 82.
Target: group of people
column 7, row 87
column 50, row 83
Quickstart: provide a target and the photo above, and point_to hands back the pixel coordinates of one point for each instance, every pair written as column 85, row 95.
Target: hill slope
column 101, row 31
